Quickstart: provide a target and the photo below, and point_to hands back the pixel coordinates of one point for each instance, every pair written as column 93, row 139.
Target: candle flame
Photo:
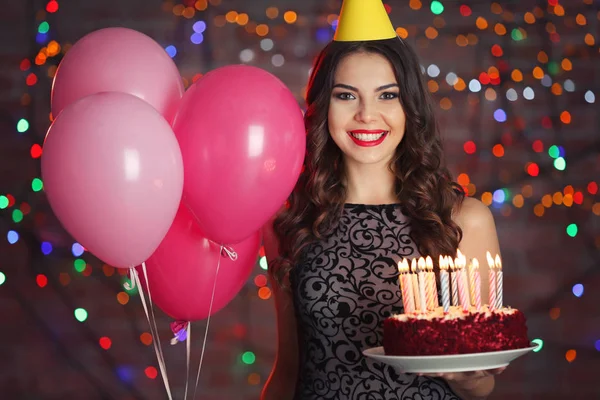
column 403, row 267
column 450, row 263
column 490, row 260
column 460, row 255
column 421, row 263
column 443, row 262
column 498, row 262
column 413, row 266
column 429, row 263
column 474, row 264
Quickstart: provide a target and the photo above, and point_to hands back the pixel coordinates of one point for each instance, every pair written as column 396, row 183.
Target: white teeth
column 368, row 137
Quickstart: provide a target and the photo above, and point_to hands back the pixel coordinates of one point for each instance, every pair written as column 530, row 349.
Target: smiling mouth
column 367, row 136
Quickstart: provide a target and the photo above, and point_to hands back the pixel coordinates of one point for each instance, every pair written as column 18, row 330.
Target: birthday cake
column 455, row 322
column 457, row 331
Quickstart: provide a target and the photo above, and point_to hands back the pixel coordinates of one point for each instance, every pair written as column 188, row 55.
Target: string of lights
column 554, row 73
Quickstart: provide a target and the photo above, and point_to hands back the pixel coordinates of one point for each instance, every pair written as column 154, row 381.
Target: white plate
column 450, row 363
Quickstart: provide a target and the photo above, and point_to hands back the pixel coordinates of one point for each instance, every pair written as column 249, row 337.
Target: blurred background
column 516, row 85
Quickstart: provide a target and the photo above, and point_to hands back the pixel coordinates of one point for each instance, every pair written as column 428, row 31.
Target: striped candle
column 422, row 285
column 463, row 290
column 492, row 281
column 415, row 285
column 406, row 287
column 499, row 278
column 476, row 283
column 454, row 285
column 445, row 283
column 432, row 300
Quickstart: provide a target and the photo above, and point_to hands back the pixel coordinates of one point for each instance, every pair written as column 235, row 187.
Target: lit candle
column 432, row 285
column 453, row 275
column 499, row 289
column 422, row 284
column 463, row 290
column 406, row 287
column 476, row 283
column 415, row 285
column 492, row 281
column 402, row 288
column 445, row 283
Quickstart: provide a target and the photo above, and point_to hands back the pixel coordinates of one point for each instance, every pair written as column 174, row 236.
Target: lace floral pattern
column 344, row 287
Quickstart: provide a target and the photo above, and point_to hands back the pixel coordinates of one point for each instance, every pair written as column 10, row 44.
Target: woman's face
column 366, row 119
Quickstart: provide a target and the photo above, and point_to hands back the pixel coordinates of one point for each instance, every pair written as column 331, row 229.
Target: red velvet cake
column 458, row 332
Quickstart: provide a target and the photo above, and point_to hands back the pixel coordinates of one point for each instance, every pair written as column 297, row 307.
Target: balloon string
column 151, row 306
column 212, row 297
column 188, row 352
column 155, row 338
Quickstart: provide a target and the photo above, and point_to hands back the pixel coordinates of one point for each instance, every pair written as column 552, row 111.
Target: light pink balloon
column 118, row 60
column 242, row 137
column 113, row 175
column 182, row 271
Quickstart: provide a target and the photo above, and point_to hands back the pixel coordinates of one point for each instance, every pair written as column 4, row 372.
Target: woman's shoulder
column 472, row 213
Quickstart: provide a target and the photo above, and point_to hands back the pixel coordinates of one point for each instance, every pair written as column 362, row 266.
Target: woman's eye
column 345, row 96
column 389, row 95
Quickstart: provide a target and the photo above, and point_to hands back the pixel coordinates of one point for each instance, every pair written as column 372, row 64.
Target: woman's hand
column 471, row 384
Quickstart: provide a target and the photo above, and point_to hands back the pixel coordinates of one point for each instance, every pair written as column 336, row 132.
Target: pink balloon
column 181, row 272
column 118, row 60
column 243, row 142
column 113, row 175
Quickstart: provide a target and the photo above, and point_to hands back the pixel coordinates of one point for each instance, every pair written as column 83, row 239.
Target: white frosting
column 455, row 312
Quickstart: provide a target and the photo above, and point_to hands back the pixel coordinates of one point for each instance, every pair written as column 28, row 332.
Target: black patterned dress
column 343, row 289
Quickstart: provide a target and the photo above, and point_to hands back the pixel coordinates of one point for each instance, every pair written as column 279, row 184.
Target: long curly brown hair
column 423, row 185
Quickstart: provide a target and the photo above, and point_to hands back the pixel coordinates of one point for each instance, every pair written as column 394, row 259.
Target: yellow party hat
column 363, row 20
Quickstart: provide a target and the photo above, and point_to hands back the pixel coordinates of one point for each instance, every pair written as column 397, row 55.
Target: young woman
column 374, row 190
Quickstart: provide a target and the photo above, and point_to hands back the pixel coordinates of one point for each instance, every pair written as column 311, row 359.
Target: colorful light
column 151, row 372
column 2, row 278
column 171, row 51
column 12, row 237
column 44, row 27
column 41, row 280
column 263, row 263
column 437, row 7
column 500, row 115
column 499, row 196
column 578, row 290
column 433, row 71
column 589, row 97
column 560, row 164
column 80, row 314
column 197, row 38
column 539, row 343
column 37, row 184
column 17, row 216
column 572, row 230
column 22, row 125
column 248, row 358
column 46, row 248
column 79, row 265
column 105, row 342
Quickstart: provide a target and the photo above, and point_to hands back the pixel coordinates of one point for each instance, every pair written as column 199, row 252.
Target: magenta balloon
column 118, row 60
column 242, row 137
column 113, row 175
column 182, row 271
